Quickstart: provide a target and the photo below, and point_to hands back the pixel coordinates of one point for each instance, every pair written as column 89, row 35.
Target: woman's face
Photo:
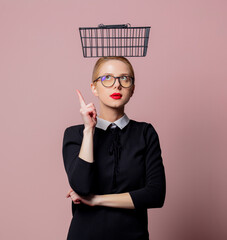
column 115, row 68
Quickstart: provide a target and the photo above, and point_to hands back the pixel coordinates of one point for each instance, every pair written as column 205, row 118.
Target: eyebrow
column 122, row 74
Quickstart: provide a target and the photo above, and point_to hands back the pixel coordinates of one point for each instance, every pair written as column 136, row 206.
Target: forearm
column 116, row 200
column 86, row 150
column 78, row 160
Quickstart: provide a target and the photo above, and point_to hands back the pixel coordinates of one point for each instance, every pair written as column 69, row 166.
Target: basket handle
column 114, row 26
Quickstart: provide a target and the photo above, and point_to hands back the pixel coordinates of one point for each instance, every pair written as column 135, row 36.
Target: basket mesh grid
column 114, row 41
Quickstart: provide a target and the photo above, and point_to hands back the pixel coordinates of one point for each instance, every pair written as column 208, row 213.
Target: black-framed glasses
column 109, row 80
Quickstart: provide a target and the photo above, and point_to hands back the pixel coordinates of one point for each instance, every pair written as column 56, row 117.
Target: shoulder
column 74, row 131
column 145, row 126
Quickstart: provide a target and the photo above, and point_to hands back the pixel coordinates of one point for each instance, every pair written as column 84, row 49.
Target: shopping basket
column 114, row 40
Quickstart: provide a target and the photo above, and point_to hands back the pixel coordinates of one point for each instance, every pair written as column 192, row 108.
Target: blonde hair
column 102, row 60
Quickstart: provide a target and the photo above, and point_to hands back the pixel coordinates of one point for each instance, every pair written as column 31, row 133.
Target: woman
column 113, row 163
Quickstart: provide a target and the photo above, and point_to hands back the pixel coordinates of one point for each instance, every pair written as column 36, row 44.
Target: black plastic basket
column 114, row 40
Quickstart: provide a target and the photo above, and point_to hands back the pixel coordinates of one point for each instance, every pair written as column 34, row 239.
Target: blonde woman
column 113, row 164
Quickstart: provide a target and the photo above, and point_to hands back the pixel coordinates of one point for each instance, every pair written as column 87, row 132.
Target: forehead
column 115, row 67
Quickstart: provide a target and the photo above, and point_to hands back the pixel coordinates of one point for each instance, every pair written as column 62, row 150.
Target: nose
column 117, row 83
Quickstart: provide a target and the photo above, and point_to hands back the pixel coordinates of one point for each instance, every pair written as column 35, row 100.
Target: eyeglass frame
column 115, row 80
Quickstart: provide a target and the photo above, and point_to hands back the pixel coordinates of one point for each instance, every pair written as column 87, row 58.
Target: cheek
column 128, row 94
column 103, row 94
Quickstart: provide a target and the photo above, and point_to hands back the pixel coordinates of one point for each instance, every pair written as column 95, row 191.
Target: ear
column 94, row 89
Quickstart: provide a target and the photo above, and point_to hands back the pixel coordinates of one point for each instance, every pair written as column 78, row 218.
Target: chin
column 115, row 105
column 120, row 105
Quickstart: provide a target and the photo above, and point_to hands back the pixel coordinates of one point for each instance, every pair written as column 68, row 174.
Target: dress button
column 113, row 125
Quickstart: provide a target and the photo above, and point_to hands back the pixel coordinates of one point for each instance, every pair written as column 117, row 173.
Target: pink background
column 181, row 84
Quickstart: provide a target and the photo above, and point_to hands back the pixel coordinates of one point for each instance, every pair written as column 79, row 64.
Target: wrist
column 98, row 200
column 88, row 130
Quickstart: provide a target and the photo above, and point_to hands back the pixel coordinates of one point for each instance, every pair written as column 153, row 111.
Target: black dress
column 125, row 160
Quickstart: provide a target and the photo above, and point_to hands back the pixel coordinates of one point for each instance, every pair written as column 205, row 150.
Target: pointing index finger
column 82, row 103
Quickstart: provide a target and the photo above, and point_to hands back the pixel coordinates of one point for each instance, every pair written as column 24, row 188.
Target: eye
column 107, row 77
column 103, row 78
column 124, row 78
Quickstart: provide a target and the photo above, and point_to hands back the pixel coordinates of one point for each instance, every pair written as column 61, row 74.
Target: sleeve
column 80, row 172
column 152, row 195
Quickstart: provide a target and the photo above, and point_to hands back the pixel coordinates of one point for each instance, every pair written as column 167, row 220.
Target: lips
column 116, row 95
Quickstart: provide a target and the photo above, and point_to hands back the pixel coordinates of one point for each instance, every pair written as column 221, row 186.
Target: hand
column 88, row 112
column 74, row 196
column 90, row 200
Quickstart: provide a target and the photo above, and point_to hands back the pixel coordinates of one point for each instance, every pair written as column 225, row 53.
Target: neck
column 111, row 114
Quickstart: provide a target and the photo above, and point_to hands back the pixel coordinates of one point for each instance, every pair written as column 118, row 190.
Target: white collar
column 121, row 122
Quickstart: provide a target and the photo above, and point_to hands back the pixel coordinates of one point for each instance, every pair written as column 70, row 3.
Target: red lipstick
column 116, row 95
